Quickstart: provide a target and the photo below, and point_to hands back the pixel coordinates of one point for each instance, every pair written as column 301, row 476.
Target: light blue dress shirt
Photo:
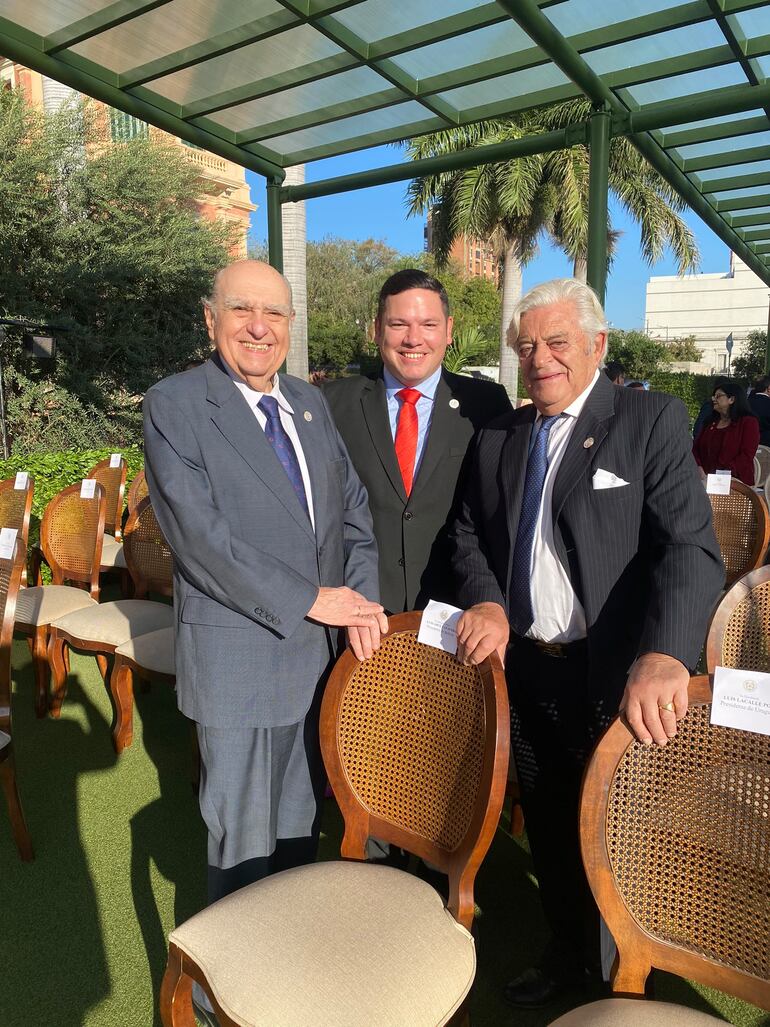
column 427, row 390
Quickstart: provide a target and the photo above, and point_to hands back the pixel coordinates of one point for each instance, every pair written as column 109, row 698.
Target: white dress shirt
column 286, row 414
column 559, row 615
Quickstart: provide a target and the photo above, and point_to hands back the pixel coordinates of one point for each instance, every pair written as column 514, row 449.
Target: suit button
column 400, row 561
column 408, row 515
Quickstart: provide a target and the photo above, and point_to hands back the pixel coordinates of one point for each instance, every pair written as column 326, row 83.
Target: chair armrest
column 36, row 561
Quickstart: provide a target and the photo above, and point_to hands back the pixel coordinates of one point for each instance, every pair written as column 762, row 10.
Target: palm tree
column 512, row 204
column 294, row 228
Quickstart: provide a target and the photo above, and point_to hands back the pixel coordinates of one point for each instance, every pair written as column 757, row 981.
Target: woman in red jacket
column 729, row 440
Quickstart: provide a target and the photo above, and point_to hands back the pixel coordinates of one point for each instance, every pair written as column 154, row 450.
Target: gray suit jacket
column 247, row 564
column 642, row 559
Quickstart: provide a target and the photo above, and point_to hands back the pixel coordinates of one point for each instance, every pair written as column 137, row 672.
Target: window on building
column 124, row 127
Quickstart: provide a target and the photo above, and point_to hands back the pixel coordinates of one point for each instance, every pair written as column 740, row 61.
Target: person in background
column 616, row 372
column 759, row 401
column 638, row 386
column 707, row 408
column 729, row 440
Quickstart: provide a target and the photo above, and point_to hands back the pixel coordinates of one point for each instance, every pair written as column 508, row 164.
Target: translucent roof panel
column 762, row 68
column 662, row 46
column 735, row 144
column 370, row 18
column 46, row 18
column 526, row 88
column 690, row 84
column 575, row 16
column 741, row 194
column 495, row 41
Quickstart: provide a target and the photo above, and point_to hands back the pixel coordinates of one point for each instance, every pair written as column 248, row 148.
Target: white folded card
column 88, row 488
column 741, row 700
column 21, row 479
column 438, row 626
column 718, row 484
column 115, row 459
column 607, row 480
column 7, row 543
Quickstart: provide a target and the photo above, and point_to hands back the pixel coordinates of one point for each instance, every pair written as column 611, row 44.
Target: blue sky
column 380, row 213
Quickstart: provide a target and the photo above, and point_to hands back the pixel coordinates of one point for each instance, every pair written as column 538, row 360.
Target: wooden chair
column 742, row 527
column 71, row 535
column 762, row 458
column 10, row 580
column 676, row 845
column 101, row 629
column 15, row 510
column 137, row 492
column 739, row 633
column 113, row 481
column 148, row 657
column 416, row 750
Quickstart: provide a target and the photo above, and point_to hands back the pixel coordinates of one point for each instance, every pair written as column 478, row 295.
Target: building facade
column 224, row 191
column 709, row 307
column 475, row 256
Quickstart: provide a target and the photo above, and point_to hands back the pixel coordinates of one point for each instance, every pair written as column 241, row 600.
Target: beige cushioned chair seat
column 153, row 651
column 115, row 623
column 112, row 553
column 333, row 944
column 42, row 604
column 619, row 1012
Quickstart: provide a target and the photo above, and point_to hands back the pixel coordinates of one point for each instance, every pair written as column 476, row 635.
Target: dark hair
column 740, row 405
column 614, row 369
column 411, row 278
column 635, row 385
column 762, row 384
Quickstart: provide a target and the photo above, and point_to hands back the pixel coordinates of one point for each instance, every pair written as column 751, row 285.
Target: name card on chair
column 7, row 543
column 718, row 484
column 438, row 626
column 21, row 479
column 741, row 700
column 115, row 459
column 88, row 488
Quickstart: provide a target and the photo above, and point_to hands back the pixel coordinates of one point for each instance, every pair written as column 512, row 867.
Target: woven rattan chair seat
column 114, row 623
column 153, row 652
column 43, row 604
column 333, row 943
column 616, row 1012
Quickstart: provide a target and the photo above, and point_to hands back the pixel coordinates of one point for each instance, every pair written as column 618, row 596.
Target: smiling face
column 413, row 335
column 557, row 358
column 249, row 321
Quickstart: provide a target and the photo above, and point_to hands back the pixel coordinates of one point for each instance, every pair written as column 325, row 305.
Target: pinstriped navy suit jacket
column 643, row 559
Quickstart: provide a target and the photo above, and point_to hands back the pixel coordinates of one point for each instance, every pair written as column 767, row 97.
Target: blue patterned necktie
column 275, row 433
column 520, row 605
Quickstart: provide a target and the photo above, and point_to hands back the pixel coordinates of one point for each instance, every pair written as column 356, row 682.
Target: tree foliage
column 105, row 241
column 637, row 352
column 751, row 364
column 684, row 349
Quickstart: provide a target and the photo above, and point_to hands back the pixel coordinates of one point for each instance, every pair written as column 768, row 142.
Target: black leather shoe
column 535, row 988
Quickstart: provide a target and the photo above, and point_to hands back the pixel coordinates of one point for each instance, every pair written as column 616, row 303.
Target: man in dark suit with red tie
column 408, row 430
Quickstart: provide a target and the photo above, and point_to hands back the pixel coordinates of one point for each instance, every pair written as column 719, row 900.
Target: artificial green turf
column 120, row 858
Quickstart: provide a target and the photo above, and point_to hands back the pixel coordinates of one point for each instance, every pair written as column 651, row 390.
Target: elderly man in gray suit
column 273, row 549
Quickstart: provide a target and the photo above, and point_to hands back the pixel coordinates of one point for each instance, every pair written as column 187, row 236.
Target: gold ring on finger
column 667, row 706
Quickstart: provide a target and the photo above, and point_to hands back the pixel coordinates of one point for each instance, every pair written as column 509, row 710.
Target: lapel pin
column 454, row 403
column 308, row 416
column 588, row 442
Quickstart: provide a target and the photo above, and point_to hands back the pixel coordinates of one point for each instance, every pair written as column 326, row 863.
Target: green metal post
column 274, row 226
column 767, row 343
column 598, row 183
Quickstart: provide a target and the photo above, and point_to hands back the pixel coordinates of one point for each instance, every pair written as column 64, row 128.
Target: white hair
column 591, row 316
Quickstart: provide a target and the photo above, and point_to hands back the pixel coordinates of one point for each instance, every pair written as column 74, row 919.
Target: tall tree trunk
column 580, row 269
column 295, row 269
column 511, row 294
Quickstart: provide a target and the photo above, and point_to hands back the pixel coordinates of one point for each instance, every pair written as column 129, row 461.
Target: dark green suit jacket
column 411, row 533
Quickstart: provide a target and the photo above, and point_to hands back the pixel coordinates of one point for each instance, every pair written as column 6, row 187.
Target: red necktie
column 406, row 435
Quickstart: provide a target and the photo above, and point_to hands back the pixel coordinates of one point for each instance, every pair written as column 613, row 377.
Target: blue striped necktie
column 520, row 595
column 275, row 433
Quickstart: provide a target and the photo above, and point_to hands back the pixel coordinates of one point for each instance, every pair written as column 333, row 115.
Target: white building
column 710, row 307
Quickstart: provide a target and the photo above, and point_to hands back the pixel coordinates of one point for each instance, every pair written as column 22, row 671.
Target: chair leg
column 41, row 670
column 122, row 688
column 15, row 812
column 56, row 647
column 176, row 993
column 104, row 666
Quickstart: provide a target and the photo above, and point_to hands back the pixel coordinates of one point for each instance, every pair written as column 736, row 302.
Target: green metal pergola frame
column 742, row 222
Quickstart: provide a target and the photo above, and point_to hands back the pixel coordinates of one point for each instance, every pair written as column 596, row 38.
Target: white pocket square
column 607, row 480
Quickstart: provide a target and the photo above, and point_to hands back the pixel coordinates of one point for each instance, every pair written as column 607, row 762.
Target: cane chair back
column 148, row 556
column 16, row 506
column 762, row 458
column 113, row 481
column 739, row 634
column 742, row 528
column 758, row 479
column 71, row 536
column 138, row 491
column 676, row 845
column 416, row 748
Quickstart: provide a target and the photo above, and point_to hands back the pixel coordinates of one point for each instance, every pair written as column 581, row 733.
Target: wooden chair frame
column 137, row 485
column 724, row 611
column 763, row 459
column 38, row 633
column 59, row 639
column 638, row 951
column 762, row 516
column 9, row 485
column 112, row 524
column 121, row 681
column 461, row 865
column 7, row 761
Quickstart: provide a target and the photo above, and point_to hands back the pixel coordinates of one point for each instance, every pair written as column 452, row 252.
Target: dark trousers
column 554, row 725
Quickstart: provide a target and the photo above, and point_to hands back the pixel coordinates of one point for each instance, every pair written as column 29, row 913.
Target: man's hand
column 344, row 608
column 655, row 682
column 365, row 641
column 481, row 630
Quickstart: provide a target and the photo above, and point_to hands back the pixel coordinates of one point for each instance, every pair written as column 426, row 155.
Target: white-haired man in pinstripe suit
column 585, row 555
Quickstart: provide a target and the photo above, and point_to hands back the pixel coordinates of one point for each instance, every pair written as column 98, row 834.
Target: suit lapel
column 440, row 434
column 513, row 461
column 374, row 405
column 235, row 420
column 308, row 432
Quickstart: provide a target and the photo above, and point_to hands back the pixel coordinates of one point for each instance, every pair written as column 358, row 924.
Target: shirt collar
column 576, row 406
column 426, row 388
column 253, row 396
